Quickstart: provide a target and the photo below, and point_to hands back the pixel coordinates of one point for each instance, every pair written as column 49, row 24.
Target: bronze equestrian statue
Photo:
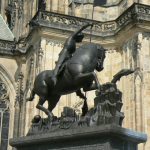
column 74, row 71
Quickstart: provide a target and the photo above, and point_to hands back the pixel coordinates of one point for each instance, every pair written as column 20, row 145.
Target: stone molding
column 55, row 42
column 98, row 132
column 112, row 4
column 136, row 14
column 6, row 47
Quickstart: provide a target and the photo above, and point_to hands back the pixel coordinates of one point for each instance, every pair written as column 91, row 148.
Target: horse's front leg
column 40, row 107
column 90, row 87
column 82, row 78
column 80, row 94
column 85, row 105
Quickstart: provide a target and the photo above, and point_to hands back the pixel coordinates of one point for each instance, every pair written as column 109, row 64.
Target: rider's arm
column 81, row 29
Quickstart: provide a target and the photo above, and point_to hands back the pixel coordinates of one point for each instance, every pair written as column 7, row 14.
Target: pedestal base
column 106, row 137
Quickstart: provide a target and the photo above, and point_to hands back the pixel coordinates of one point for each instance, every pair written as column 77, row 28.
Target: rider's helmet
column 79, row 37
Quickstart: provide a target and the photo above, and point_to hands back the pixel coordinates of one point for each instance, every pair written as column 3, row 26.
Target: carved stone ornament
column 108, row 4
column 134, row 14
column 4, row 97
column 20, row 93
column 11, row 14
column 20, row 8
column 3, row 91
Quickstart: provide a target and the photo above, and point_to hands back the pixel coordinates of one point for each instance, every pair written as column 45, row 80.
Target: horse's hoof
column 36, row 119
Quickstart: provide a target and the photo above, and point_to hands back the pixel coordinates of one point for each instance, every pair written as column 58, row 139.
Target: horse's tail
column 31, row 96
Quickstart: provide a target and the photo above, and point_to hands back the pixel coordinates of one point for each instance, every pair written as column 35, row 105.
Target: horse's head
column 100, row 58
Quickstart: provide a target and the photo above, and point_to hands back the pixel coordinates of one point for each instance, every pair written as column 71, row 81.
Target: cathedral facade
column 32, row 35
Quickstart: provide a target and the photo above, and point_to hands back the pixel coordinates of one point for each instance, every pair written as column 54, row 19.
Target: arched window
column 4, row 116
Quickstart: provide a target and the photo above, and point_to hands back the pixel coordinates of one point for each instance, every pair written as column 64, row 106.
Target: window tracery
column 4, row 116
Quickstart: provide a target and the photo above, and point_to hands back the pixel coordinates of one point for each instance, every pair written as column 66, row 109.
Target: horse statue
column 77, row 73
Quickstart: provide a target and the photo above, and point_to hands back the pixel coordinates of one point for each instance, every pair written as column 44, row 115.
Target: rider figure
column 68, row 49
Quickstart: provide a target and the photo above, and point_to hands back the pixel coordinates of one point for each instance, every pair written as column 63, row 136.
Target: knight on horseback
column 68, row 50
column 74, row 71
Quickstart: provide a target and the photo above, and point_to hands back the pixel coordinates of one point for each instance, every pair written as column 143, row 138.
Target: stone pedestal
column 106, row 137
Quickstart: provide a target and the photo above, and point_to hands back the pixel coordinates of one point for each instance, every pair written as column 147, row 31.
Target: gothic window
column 4, row 116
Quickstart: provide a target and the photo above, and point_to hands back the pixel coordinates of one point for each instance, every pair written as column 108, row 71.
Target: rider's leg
column 55, row 73
column 54, row 79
